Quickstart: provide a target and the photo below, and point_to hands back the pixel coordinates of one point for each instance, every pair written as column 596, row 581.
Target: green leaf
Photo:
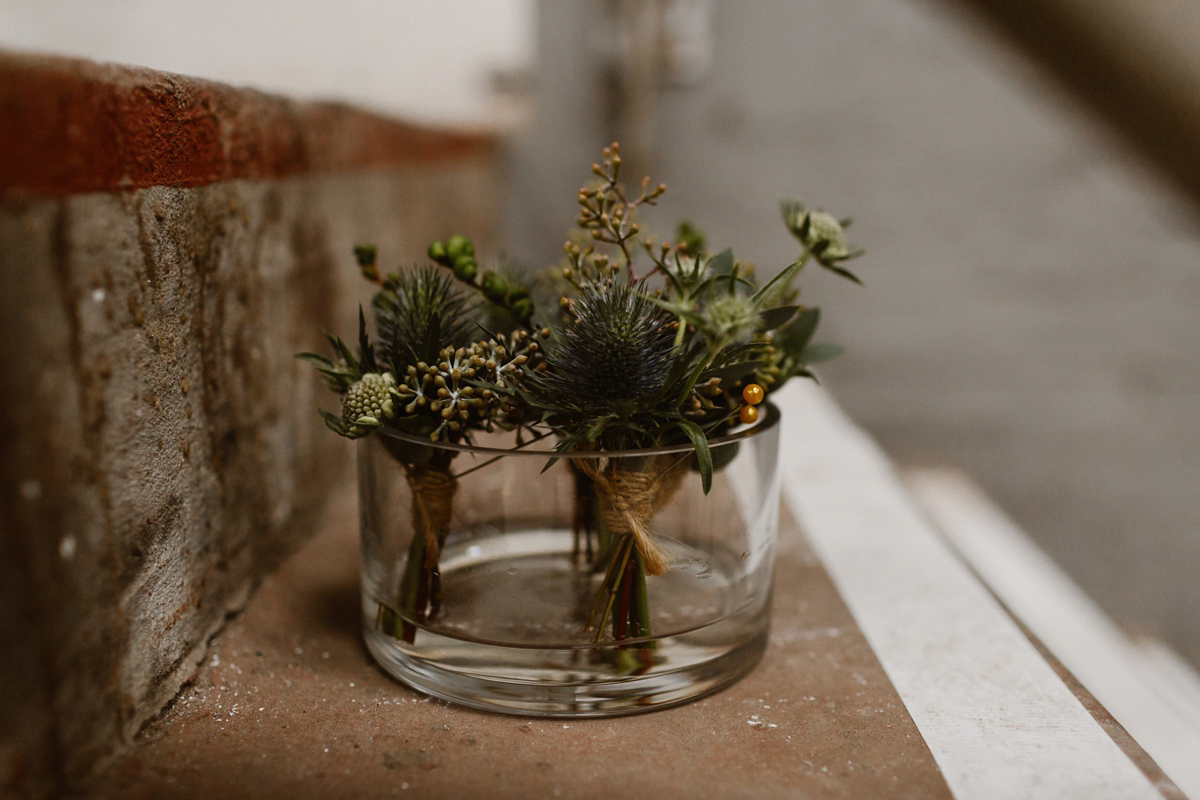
column 344, row 352
column 821, row 351
column 316, row 359
column 703, row 454
column 778, row 282
column 796, row 336
column 366, row 355
column 722, row 262
column 335, row 424
column 777, row 317
column 736, row 351
column 732, row 373
column 845, row 273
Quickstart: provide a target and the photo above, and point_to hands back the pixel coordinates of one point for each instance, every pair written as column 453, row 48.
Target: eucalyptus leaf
column 722, row 262
column 777, row 317
column 821, row 351
column 796, row 336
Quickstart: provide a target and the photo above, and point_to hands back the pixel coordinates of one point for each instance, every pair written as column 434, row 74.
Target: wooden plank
column 997, row 719
column 1144, row 687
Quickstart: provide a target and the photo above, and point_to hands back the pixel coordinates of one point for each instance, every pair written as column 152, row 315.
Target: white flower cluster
column 449, row 388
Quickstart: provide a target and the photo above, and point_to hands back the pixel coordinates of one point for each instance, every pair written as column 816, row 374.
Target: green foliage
column 636, row 357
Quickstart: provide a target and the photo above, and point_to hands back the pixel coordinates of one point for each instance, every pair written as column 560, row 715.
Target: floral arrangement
column 606, row 354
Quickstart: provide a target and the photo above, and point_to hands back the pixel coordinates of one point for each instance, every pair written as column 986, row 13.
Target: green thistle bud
column 368, row 401
column 823, row 227
column 732, row 318
column 465, row 268
column 459, row 245
column 437, row 252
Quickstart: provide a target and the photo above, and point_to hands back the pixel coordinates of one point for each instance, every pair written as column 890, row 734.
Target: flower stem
column 620, row 621
column 640, row 611
column 410, row 589
column 626, row 549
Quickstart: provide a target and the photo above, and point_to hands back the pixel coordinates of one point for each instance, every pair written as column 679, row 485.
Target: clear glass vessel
column 507, row 580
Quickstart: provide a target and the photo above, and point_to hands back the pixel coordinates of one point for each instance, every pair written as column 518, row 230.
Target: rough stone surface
column 161, row 448
column 289, row 704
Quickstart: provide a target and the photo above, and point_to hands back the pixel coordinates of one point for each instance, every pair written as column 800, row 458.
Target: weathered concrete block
column 161, row 448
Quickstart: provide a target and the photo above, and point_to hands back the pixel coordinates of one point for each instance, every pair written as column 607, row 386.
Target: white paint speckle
column 98, row 295
column 216, row 661
column 66, row 548
column 352, row 684
column 31, row 490
column 404, row 786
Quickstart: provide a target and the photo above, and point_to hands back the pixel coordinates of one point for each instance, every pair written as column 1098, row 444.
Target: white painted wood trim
column 1144, row 686
column 996, row 718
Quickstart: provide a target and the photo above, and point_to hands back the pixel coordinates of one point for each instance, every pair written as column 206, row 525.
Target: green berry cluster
column 458, row 254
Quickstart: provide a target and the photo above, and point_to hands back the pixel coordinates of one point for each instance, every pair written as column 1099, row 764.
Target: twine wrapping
column 629, row 500
column 433, row 504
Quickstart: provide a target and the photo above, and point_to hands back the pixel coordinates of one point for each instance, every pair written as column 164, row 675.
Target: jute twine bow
column 630, row 498
column 433, row 503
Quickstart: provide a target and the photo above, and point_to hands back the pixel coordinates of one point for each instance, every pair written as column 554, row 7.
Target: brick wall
column 166, row 245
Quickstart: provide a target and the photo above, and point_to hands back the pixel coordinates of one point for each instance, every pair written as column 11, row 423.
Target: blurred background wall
column 1032, row 282
column 431, row 61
